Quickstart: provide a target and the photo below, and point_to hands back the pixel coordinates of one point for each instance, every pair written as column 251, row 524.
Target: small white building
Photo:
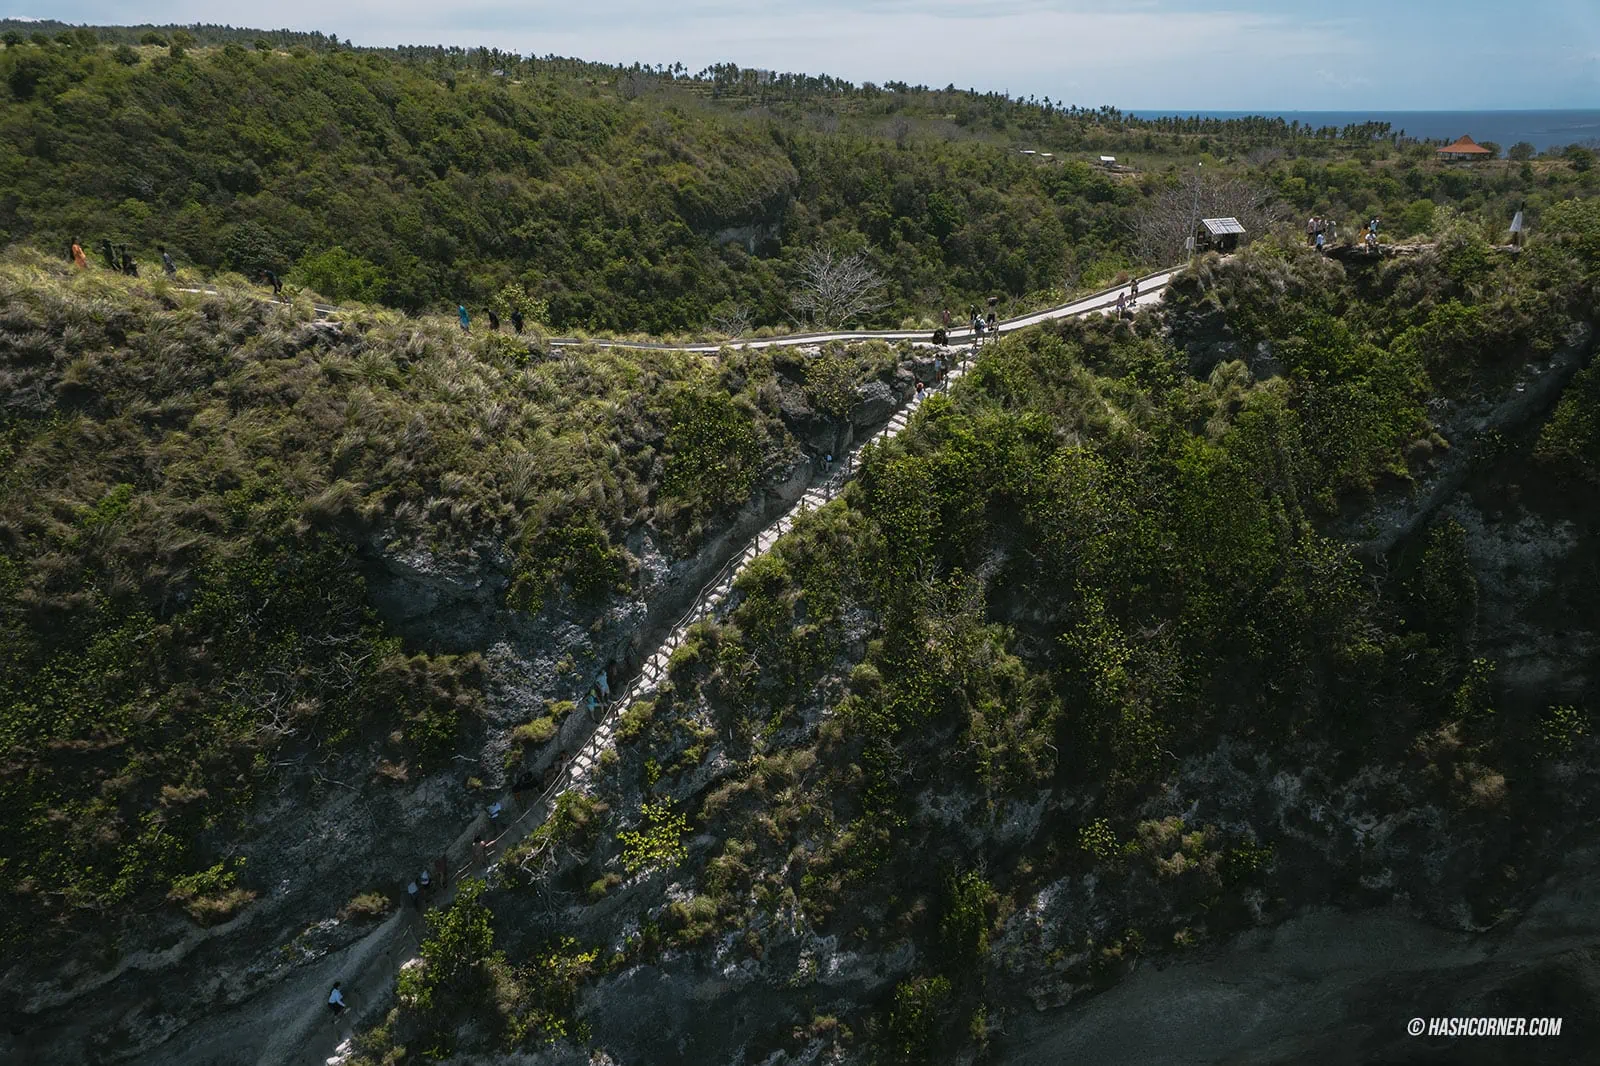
column 1108, row 160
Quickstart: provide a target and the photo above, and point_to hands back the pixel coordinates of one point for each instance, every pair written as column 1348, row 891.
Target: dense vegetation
column 627, row 199
column 1094, row 558
column 1081, row 567
column 188, row 487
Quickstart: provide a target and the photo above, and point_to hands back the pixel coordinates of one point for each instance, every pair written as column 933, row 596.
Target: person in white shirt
column 336, row 1000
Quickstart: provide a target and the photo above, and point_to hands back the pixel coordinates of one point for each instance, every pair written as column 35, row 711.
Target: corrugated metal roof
column 1219, row 226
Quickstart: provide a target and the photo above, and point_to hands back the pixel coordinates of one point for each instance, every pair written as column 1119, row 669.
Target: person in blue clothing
column 466, row 319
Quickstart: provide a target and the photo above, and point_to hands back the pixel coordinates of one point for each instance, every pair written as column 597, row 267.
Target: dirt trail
column 289, row 1024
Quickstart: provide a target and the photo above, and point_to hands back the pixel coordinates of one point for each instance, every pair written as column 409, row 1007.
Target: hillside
column 634, row 199
column 1142, row 640
column 1078, row 672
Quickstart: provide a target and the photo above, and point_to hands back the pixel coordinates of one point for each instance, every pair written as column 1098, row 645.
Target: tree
column 340, row 275
column 1522, row 151
column 1581, row 158
column 835, row 288
column 1491, row 147
column 459, row 947
column 1161, row 228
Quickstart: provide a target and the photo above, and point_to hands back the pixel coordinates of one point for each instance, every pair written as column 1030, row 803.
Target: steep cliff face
column 1458, row 885
column 335, row 843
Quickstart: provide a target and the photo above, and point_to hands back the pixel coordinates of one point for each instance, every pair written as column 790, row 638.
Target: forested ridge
column 631, row 199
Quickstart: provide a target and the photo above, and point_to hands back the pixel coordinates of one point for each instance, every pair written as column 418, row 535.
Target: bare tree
column 835, row 288
column 1161, row 228
column 900, row 129
column 734, row 321
column 824, row 121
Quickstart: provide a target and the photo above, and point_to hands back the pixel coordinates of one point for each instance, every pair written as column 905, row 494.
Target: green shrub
column 916, row 1017
column 534, row 733
column 659, row 840
column 340, row 275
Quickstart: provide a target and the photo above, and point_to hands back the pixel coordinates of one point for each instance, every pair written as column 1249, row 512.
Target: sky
column 1182, row 55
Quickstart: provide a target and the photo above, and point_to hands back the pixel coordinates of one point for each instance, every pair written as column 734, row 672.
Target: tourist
column 336, row 1000
column 1133, row 291
column 1311, row 230
column 166, row 261
column 79, row 260
column 494, row 321
column 466, row 319
column 919, row 390
column 945, row 318
column 277, row 285
column 110, row 253
column 128, row 266
column 1320, row 249
column 516, row 319
column 416, row 896
column 480, row 850
column 938, row 368
column 1122, row 303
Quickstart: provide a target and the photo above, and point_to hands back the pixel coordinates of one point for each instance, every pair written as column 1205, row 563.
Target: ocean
column 1542, row 129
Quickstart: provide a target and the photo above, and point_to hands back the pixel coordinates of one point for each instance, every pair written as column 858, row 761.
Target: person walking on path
column 480, row 850
column 336, row 1000
column 416, row 896
column 946, row 318
column 110, row 253
column 1122, row 304
column 166, row 261
column 516, row 319
column 494, row 321
column 1320, row 247
column 466, row 319
column 277, row 286
column 1133, row 291
column 994, row 324
column 79, row 260
column 128, row 266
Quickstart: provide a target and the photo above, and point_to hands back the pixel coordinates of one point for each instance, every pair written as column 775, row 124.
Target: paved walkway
column 290, row 1021
column 1149, row 285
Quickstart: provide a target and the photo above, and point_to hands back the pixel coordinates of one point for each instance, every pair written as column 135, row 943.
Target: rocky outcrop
column 875, row 402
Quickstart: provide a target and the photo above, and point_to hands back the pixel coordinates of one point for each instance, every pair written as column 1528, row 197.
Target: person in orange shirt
column 78, row 258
